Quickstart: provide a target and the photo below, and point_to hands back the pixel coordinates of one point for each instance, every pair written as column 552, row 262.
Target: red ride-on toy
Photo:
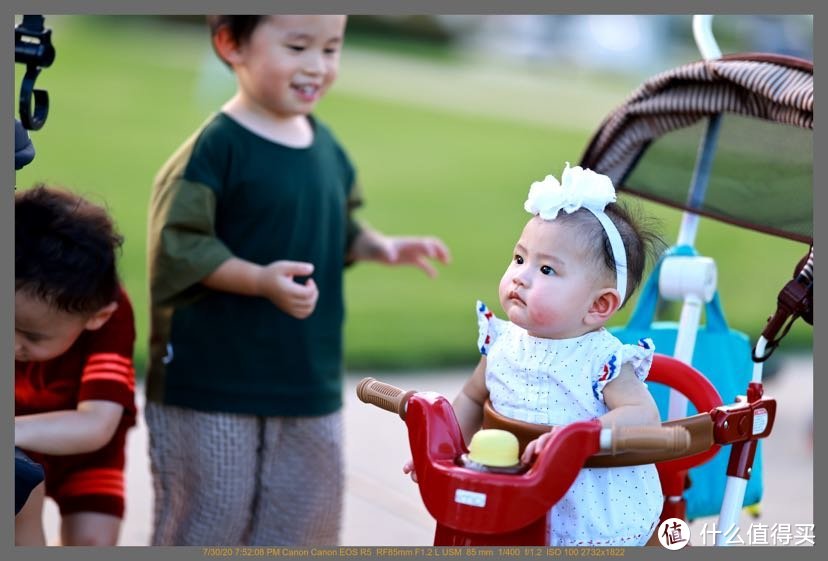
column 475, row 505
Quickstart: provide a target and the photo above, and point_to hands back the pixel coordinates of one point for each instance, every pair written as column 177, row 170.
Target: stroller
column 642, row 146
column 760, row 108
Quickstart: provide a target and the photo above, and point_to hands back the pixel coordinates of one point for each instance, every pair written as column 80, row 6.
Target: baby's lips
column 514, row 296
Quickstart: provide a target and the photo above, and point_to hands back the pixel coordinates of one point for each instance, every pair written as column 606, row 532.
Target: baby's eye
column 331, row 51
column 547, row 270
column 518, row 259
column 297, row 48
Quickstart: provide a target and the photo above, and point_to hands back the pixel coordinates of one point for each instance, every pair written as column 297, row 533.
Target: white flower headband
column 581, row 188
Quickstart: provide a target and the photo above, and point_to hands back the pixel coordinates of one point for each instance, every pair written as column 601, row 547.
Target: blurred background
column 448, row 120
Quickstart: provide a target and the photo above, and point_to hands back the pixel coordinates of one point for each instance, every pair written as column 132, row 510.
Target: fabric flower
column 580, row 188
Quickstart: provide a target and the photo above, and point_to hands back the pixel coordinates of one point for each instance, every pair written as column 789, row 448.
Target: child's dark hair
column 240, row 27
column 64, row 250
column 641, row 241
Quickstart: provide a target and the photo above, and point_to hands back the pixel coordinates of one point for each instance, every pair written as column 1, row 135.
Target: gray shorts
column 228, row 479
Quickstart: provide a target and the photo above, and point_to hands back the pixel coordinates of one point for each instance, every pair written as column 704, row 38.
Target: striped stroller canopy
column 762, row 172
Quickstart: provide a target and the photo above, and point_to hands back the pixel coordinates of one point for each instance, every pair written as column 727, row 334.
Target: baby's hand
column 533, row 448
column 277, row 284
column 408, row 467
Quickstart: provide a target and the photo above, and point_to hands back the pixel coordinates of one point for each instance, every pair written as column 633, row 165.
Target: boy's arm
column 629, row 401
column 274, row 282
column 185, row 253
column 468, row 405
column 371, row 245
column 85, row 429
column 182, row 244
column 106, row 393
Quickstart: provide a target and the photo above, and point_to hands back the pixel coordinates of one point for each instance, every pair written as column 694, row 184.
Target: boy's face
column 289, row 62
column 43, row 332
column 551, row 284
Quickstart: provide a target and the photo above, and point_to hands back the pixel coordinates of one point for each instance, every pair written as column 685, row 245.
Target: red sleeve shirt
column 97, row 366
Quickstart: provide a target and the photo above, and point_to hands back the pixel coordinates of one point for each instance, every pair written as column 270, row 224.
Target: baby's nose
column 520, row 279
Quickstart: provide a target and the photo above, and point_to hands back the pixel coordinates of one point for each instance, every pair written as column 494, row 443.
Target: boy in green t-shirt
column 250, row 230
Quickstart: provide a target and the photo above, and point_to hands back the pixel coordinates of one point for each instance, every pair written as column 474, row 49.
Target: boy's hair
column 241, row 28
column 641, row 241
column 64, row 250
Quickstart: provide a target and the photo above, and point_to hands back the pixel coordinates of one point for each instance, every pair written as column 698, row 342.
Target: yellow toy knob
column 494, row 447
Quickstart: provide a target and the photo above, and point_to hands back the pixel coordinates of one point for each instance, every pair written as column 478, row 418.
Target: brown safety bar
column 700, row 428
column 630, row 445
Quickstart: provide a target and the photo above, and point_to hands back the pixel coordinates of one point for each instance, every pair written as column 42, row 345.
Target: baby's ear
column 101, row 316
column 605, row 303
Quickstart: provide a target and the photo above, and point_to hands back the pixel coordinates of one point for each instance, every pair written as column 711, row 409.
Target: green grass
column 123, row 96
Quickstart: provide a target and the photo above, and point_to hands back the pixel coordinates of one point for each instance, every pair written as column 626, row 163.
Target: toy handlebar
column 385, row 396
column 674, row 439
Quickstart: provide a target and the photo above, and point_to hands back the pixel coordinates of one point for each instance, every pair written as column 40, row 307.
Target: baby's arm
column 468, row 405
column 274, row 282
column 371, row 245
column 629, row 401
column 76, row 431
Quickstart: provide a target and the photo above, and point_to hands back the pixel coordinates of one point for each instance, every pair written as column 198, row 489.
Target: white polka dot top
column 559, row 381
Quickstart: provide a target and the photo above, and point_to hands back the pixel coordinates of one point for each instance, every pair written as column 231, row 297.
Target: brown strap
column 699, row 426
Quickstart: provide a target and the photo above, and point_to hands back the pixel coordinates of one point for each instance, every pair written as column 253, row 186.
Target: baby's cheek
column 504, row 289
column 540, row 315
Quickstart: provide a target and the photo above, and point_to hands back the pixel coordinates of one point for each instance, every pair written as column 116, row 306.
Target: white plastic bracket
column 692, row 280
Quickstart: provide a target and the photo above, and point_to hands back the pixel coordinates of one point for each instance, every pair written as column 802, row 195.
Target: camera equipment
column 33, row 47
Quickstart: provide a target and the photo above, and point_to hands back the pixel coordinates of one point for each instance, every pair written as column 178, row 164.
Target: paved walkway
column 383, row 506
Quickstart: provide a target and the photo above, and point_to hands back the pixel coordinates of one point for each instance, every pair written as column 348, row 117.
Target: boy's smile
column 309, row 93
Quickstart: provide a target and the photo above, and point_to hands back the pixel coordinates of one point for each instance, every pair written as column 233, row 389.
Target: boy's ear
column 101, row 316
column 226, row 46
column 605, row 303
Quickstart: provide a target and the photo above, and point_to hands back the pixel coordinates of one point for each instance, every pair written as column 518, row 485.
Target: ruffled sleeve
column 489, row 327
column 640, row 356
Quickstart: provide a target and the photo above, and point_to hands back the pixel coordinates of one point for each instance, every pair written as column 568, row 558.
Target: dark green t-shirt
column 229, row 192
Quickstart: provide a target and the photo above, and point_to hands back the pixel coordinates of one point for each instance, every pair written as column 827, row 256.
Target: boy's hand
column 415, row 251
column 277, row 284
column 408, row 467
column 533, row 448
column 372, row 245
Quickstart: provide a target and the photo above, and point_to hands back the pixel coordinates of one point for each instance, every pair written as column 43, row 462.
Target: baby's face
column 550, row 284
column 41, row 331
column 290, row 61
